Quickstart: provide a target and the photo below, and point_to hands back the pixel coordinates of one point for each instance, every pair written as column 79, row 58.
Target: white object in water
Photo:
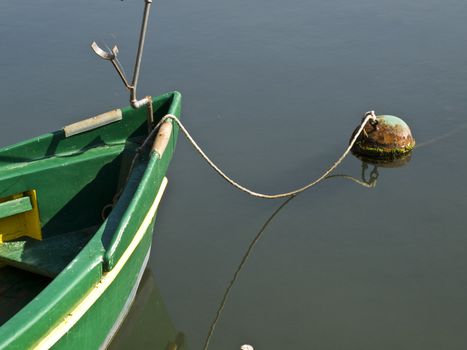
column 246, row 347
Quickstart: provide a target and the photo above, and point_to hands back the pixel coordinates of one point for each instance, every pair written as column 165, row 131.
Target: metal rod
column 139, row 54
column 120, row 73
column 112, row 57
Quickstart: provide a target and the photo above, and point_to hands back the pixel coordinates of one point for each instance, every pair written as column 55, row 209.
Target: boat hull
column 96, row 328
column 93, row 321
column 85, row 303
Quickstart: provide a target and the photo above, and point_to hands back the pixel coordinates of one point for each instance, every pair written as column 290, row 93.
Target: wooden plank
column 93, row 123
column 15, row 206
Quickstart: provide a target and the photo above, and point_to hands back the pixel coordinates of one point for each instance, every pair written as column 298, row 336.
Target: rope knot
column 372, row 116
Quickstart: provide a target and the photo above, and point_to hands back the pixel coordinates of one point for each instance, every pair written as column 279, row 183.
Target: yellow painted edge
column 74, row 316
column 26, row 224
column 32, row 219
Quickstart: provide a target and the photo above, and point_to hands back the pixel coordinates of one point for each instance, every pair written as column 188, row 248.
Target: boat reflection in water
column 148, row 325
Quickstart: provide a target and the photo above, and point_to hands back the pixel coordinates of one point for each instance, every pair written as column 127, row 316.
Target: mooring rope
column 368, row 116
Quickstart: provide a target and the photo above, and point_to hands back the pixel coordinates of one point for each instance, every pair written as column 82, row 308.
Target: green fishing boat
column 77, row 211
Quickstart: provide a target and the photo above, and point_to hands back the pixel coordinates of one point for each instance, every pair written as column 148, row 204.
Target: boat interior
column 45, row 227
column 55, row 192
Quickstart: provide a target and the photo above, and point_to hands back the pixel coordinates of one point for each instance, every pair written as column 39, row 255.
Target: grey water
column 272, row 90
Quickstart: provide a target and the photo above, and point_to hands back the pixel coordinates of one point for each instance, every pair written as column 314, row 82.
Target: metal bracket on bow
column 112, row 57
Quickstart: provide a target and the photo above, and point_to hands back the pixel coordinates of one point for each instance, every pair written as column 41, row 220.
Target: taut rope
column 367, row 117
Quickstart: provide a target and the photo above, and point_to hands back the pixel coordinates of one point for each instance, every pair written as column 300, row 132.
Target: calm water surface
column 273, row 90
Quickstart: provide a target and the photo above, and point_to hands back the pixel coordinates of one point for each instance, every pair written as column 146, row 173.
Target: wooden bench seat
column 47, row 257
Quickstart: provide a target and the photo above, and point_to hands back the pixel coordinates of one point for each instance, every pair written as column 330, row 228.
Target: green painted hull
column 94, row 266
column 97, row 326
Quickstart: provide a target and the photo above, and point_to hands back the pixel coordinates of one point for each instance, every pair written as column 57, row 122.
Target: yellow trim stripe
column 74, row 316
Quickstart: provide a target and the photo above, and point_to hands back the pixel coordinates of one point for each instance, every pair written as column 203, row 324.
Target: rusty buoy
column 384, row 137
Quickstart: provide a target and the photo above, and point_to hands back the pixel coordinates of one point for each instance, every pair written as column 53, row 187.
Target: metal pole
column 139, row 54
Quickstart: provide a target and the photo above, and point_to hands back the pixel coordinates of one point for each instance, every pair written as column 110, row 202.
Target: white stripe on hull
column 128, row 303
